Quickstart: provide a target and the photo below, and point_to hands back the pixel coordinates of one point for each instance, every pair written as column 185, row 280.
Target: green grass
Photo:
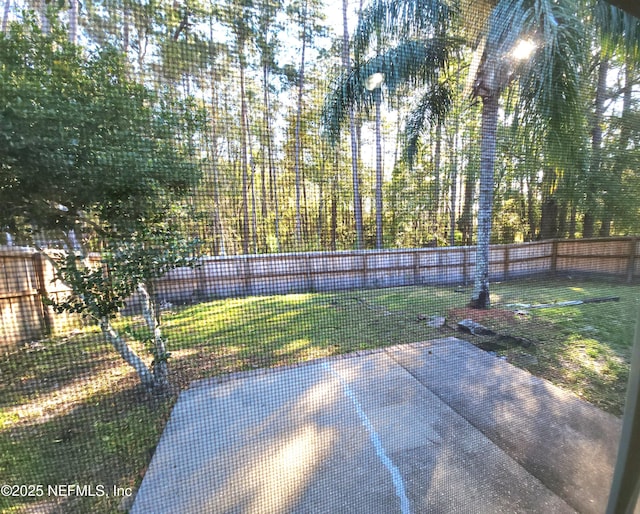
column 71, row 410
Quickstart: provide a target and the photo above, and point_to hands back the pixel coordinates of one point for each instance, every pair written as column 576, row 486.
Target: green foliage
column 85, row 149
column 78, row 140
column 100, row 290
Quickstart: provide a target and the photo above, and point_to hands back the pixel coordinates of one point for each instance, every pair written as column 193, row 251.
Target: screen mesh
column 316, row 256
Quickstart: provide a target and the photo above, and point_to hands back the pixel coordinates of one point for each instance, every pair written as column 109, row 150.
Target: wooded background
column 256, row 76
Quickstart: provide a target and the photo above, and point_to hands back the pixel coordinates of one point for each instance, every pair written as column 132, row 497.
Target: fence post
column 41, row 288
column 246, row 272
column 506, row 264
column 464, row 265
column 631, row 266
column 309, row 275
column 416, row 267
column 554, row 256
column 364, row 270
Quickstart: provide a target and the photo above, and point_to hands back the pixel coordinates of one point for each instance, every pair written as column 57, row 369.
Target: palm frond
column 550, row 83
column 506, row 25
column 406, row 19
column 617, row 29
column 493, row 66
column 413, row 63
column 431, row 109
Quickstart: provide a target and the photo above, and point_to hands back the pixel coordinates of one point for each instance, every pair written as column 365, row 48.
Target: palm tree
column 538, row 42
column 541, row 43
column 415, row 60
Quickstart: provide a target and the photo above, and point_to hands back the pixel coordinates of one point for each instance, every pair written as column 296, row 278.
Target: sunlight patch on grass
column 589, row 354
column 63, row 400
column 283, row 317
column 185, row 353
column 293, row 346
column 8, row 419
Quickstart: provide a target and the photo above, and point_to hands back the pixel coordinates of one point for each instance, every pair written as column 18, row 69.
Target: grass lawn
column 71, row 411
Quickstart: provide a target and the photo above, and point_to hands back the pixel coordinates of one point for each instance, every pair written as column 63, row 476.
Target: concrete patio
column 430, row 427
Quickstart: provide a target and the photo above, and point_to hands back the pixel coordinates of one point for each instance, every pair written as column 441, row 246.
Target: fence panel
column 26, row 277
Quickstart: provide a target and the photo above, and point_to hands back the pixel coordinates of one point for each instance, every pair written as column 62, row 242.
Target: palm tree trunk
column 466, row 219
column 480, row 295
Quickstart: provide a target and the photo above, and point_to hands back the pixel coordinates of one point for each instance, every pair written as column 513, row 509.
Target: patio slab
column 430, row 427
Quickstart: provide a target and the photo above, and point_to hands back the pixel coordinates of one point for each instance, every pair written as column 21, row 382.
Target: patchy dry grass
column 71, row 411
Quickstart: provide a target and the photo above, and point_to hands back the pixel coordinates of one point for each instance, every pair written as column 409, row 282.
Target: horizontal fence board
column 603, row 248
column 25, row 275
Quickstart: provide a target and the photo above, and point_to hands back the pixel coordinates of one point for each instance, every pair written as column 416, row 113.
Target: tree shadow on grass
column 49, row 366
column 105, row 441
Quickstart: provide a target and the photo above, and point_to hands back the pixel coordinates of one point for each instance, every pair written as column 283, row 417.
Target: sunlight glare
column 523, row 49
column 374, row 81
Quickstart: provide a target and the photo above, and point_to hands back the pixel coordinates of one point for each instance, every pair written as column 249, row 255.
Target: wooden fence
column 26, row 277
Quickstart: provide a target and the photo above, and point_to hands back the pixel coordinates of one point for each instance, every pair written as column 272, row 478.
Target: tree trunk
column 252, row 186
column 45, row 24
column 453, row 158
column 357, row 205
column 334, row 210
column 549, row 207
column 121, row 346
column 588, row 223
column 263, row 181
column 379, row 176
column 217, row 218
column 480, row 296
column 244, row 157
column 73, row 21
column 572, row 221
column 437, row 158
column 615, row 181
column 531, row 216
column 549, row 219
column 5, row 16
column 268, row 142
column 152, row 317
column 126, row 16
column 563, row 211
column 320, row 228
column 298, row 142
column 254, row 216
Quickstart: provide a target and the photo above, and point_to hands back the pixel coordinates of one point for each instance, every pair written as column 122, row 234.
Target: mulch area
column 497, row 316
